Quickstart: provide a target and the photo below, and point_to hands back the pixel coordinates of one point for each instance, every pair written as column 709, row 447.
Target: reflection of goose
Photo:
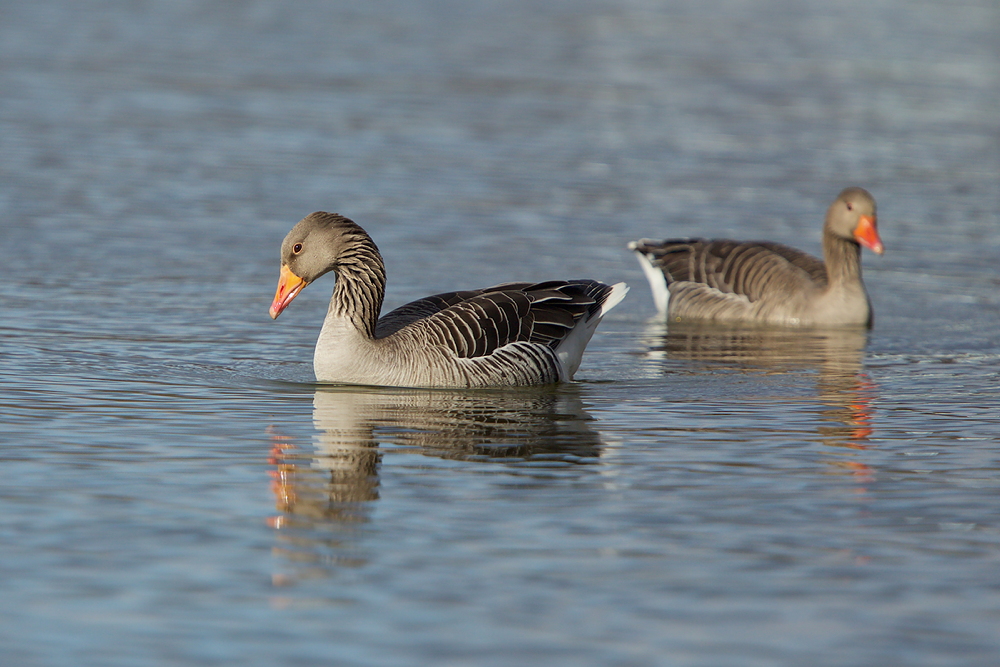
column 759, row 281
column 836, row 355
column 352, row 422
column 840, row 351
column 508, row 424
column 515, row 334
column 325, row 495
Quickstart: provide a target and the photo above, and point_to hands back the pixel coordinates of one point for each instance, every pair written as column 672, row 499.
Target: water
column 176, row 491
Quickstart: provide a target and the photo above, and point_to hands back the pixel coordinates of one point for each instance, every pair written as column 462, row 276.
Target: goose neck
column 842, row 257
column 360, row 288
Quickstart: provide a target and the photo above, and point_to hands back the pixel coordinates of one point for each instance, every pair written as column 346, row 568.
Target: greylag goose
column 513, row 334
column 769, row 283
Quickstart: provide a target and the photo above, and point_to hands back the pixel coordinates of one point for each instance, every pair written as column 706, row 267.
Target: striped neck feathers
column 360, row 288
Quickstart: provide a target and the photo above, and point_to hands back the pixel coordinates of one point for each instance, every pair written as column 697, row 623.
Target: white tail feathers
column 654, row 274
column 570, row 351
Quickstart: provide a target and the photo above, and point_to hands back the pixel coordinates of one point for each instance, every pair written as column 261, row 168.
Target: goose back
column 729, row 280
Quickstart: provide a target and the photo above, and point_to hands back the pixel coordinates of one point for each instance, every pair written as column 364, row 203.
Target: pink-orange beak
column 289, row 286
column 866, row 234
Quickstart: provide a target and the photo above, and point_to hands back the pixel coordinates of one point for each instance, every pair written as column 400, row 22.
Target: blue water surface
column 176, row 490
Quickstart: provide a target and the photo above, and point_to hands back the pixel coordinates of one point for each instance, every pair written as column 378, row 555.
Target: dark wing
column 751, row 269
column 478, row 323
column 406, row 314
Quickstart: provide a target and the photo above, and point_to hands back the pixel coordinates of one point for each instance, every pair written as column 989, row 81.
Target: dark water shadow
column 326, row 490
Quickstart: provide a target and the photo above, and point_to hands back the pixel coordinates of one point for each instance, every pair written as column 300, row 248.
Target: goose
column 768, row 283
column 514, row 334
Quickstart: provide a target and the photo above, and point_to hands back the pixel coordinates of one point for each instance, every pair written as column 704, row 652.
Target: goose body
column 768, row 283
column 515, row 334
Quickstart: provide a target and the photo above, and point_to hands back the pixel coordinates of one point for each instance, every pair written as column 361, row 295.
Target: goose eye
column 850, row 206
column 297, row 248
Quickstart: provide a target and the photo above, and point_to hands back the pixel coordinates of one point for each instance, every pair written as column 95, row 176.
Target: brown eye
column 297, row 248
column 850, row 206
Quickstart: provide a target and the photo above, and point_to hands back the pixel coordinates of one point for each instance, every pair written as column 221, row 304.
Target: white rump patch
column 657, row 281
column 570, row 350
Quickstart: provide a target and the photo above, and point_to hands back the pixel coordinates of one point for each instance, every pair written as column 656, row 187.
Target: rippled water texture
column 176, row 491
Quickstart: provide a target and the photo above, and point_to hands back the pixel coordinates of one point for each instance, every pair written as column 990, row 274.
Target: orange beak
column 867, row 234
column 289, row 286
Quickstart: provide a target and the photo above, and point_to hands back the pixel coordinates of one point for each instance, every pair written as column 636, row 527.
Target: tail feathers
column 615, row 296
column 570, row 350
column 654, row 274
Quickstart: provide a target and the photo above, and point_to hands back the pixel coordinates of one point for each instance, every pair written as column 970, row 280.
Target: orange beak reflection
column 289, row 286
column 866, row 234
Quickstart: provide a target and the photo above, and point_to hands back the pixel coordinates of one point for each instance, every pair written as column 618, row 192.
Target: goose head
column 314, row 246
column 852, row 216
